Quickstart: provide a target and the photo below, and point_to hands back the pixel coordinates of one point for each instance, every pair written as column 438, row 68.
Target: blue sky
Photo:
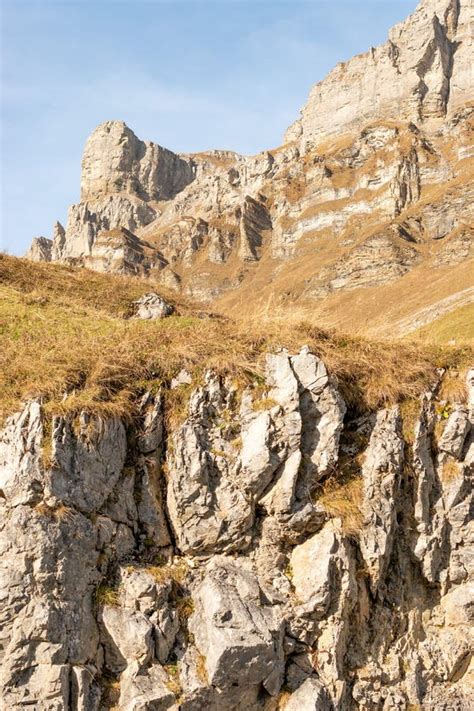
column 190, row 75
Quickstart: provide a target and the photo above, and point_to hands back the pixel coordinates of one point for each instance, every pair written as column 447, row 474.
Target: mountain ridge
column 344, row 205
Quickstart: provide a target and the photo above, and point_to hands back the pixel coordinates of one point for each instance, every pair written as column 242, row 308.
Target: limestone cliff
column 208, row 562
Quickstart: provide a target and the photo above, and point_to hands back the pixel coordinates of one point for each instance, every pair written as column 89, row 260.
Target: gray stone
column 455, row 432
column 239, row 639
column 127, row 637
column 310, row 696
column 145, row 689
column 381, row 479
column 152, row 306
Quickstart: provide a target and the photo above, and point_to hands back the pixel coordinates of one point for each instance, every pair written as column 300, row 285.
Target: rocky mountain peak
column 116, row 161
column 423, row 73
column 372, row 185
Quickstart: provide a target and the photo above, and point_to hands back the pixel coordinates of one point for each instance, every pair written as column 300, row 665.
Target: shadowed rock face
column 378, row 158
column 197, row 566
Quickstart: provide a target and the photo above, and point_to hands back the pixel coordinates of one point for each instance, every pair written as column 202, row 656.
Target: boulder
column 381, row 480
column 152, row 306
column 145, row 689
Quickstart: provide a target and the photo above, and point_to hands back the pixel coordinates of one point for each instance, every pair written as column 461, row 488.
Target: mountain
column 370, row 196
column 207, row 499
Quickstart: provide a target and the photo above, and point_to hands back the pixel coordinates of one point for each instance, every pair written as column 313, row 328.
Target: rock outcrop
column 372, row 188
column 191, row 559
column 421, row 74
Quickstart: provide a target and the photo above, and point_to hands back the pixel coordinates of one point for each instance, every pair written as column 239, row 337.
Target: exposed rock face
column 373, row 185
column 158, row 565
column 116, row 161
column 40, row 250
column 417, row 75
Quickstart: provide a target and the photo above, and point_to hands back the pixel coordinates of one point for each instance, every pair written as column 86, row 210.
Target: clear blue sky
column 190, row 75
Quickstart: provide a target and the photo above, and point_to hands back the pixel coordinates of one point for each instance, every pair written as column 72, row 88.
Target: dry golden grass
column 107, row 595
column 283, row 698
column 176, row 572
column 410, row 412
column 344, row 501
column 58, row 513
column 456, row 326
column 201, row 670
column 185, row 608
column 71, row 337
column 449, row 470
column 110, row 693
column 173, row 683
column 453, row 386
column 44, row 283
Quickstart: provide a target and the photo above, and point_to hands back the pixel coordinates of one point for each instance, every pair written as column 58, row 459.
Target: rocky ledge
column 247, row 550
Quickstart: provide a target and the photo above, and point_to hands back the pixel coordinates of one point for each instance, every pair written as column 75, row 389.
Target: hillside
column 199, row 512
column 69, row 330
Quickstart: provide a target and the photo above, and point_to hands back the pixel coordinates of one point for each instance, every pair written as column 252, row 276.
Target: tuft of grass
column 449, row 470
column 173, row 683
column 283, row 698
column 185, row 607
column 177, row 572
column 46, row 443
column 344, row 501
column 410, row 412
column 453, row 387
column 107, row 595
column 264, row 403
column 60, row 512
column 201, row 670
column 110, row 687
column 177, row 401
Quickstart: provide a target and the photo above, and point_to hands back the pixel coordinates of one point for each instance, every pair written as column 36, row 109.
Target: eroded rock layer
column 227, row 557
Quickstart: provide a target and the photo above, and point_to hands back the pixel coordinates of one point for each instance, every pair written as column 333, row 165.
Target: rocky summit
column 370, row 195
column 204, row 509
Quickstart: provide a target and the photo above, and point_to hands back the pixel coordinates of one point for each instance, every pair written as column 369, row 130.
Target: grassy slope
column 65, row 330
column 456, row 326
